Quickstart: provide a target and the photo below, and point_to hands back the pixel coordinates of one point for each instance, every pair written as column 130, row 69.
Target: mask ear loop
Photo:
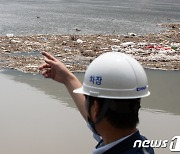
column 103, row 111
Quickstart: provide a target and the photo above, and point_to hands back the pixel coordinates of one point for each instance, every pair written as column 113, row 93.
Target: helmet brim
column 79, row 91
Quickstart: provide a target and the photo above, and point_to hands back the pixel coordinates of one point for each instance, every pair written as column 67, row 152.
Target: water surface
column 90, row 16
column 38, row 116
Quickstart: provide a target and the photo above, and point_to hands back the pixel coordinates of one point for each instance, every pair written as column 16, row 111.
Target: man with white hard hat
column 108, row 99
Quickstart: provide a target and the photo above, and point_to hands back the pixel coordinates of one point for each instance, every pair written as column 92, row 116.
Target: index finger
column 41, row 67
column 49, row 56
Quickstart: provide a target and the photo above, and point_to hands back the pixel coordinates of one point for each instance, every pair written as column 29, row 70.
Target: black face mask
column 90, row 122
column 92, row 126
column 100, row 116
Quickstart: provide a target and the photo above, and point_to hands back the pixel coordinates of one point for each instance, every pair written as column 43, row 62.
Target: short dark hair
column 121, row 113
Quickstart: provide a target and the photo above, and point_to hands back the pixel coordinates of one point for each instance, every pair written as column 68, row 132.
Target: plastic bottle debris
column 31, row 66
column 131, row 34
column 78, row 30
column 115, row 48
column 15, row 41
column 79, row 41
column 175, row 44
column 127, row 44
column 9, row 35
column 142, row 43
column 174, row 48
column 150, row 47
column 115, row 40
column 157, row 47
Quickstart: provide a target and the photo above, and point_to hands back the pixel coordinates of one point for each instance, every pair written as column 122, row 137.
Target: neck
column 111, row 134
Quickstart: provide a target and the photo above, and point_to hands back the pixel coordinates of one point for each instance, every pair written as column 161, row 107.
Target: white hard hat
column 115, row 75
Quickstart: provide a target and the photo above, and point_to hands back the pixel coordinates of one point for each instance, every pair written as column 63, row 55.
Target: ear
column 95, row 110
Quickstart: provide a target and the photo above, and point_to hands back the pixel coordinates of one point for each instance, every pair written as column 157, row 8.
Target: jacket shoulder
column 126, row 146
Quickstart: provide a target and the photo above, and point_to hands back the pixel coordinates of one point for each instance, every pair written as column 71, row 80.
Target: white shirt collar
column 106, row 147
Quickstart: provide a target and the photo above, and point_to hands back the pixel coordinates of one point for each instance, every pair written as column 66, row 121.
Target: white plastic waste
column 127, row 44
column 131, row 34
column 79, row 41
column 9, row 35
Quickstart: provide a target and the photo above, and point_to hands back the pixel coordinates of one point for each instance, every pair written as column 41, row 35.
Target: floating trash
column 9, row 35
column 132, row 34
column 31, row 66
column 79, row 41
column 160, row 50
column 127, row 44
